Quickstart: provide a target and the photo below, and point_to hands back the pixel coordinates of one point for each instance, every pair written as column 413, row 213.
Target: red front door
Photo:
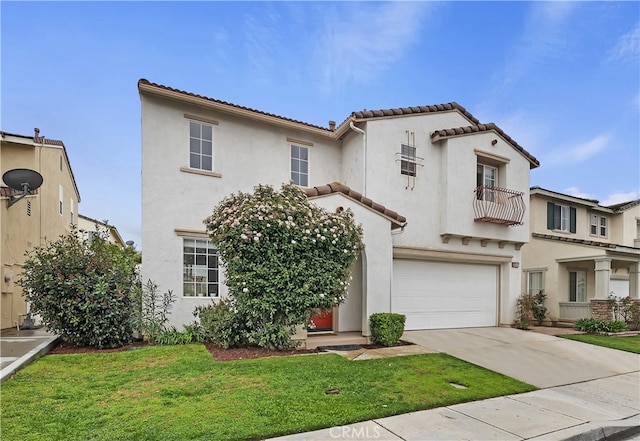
column 323, row 321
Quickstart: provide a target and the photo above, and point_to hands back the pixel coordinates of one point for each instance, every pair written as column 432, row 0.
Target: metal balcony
column 498, row 205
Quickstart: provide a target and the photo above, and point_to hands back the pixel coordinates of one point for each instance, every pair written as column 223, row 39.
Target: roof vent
column 37, row 132
column 332, row 126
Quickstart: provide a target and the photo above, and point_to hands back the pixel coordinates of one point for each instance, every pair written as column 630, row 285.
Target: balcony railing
column 498, row 205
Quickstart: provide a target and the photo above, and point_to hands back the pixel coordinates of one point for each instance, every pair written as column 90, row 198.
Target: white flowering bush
column 284, row 259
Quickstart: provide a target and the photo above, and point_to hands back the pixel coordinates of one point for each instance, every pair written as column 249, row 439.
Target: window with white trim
column 577, row 286
column 407, row 160
column 535, row 282
column 200, row 146
column 598, row 225
column 486, row 181
column 200, row 269
column 300, row 165
column 60, row 199
column 71, row 210
column 561, row 217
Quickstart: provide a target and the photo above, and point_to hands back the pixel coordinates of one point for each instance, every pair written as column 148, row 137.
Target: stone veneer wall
column 600, row 309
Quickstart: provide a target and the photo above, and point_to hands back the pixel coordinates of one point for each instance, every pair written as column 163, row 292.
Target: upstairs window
column 486, row 181
column 60, row 198
column 300, row 165
column 407, row 160
column 561, row 217
column 598, row 225
column 200, row 146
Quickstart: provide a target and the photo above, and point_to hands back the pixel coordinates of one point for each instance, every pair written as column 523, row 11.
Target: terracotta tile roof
column 336, row 187
column 484, row 128
column 593, row 202
column 415, row 110
column 160, row 86
column 592, row 243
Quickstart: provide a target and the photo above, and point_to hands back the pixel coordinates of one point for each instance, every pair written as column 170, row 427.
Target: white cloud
column 359, row 43
column 619, row 197
column 578, row 153
column 575, row 191
column 628, row 46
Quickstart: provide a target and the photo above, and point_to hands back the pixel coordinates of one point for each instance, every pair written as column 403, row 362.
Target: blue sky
column 561, row 78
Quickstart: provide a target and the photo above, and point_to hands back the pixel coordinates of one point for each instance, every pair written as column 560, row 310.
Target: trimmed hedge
column 593, row 325
column 386, row 328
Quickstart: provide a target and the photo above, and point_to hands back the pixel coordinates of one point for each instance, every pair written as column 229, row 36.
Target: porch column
column 634, row 281
column 603, row 275
column 599, row 306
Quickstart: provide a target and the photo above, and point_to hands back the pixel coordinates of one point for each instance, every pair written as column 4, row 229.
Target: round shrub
column 82, row 289
column 386, row 328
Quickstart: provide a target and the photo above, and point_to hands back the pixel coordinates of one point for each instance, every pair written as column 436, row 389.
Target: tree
column 82, row 289
column 284, row 259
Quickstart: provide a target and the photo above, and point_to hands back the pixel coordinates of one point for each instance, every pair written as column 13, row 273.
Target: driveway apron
column 538, row 359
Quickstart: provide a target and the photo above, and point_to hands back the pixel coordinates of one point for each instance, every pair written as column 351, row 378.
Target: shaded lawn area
column 629, row 344
column 181, row 393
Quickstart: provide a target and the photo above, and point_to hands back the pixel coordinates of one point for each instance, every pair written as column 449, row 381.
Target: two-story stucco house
column 44, row 214
column 439, row 196
column 580, row 252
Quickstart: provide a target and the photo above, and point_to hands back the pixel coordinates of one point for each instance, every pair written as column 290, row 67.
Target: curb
column 29, row 357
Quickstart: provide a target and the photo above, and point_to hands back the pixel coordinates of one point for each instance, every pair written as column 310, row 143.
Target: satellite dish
column 23, row 180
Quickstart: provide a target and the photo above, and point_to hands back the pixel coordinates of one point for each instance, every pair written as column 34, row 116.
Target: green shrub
column 386, row 328
column 190, row 334
column 529, row 308
column 221, row 325
column 284, row 258
column 82, row 289
column 593, row 325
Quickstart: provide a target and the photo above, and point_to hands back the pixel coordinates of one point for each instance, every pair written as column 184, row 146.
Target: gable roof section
column 41, row 141
column 624, row 205
column 335, row 187
column 458, row 131
column 145, row 86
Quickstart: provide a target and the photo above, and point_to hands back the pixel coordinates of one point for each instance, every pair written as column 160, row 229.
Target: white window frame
column 530, row 288
column 206, row 269
column 408, row 160
column 60, row 199
column 578, row 298
column 603, row 228
column 593, row 224
column 198, row 154
column 565, row 218
column 298, row 163
column 483, row 179
column 598, row 225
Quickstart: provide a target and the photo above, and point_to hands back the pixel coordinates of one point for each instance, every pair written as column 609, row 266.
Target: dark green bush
column 386, row 328
column 221, row 325
column 82, row 289
column 593, row 325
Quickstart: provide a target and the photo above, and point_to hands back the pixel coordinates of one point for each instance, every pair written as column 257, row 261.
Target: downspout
column 364, row 156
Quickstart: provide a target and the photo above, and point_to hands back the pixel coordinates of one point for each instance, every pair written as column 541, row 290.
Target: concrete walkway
column 587, row 392
column 19, row 348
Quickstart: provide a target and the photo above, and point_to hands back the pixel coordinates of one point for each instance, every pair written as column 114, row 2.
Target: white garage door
column 436, row 295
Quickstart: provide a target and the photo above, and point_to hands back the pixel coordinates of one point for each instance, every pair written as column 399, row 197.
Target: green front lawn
column 629, row 344
column 181, row 393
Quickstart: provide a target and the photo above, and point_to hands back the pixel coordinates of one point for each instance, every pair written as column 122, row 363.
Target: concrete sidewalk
column 587, row 393
column 19, row 348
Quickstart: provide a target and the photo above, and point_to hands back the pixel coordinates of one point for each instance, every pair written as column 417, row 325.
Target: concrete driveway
column 538, row 359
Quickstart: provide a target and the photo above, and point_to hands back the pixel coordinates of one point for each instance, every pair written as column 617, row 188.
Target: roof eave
column 175, row 95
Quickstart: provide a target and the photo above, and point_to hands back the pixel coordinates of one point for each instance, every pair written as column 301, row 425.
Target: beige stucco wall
column 22, row 232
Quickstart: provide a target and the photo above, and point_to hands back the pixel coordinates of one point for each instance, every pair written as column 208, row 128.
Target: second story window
column 200, row 146
column 598, row 225
column 300, row 165
column 486, row 180
column 61, row 196
column 561, row 217
column 407, row 160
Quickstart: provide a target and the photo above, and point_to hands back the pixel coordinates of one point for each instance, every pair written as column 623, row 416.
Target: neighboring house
column 44, row 214
column 580, row 252
column 441, row 198
column 91, row 226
